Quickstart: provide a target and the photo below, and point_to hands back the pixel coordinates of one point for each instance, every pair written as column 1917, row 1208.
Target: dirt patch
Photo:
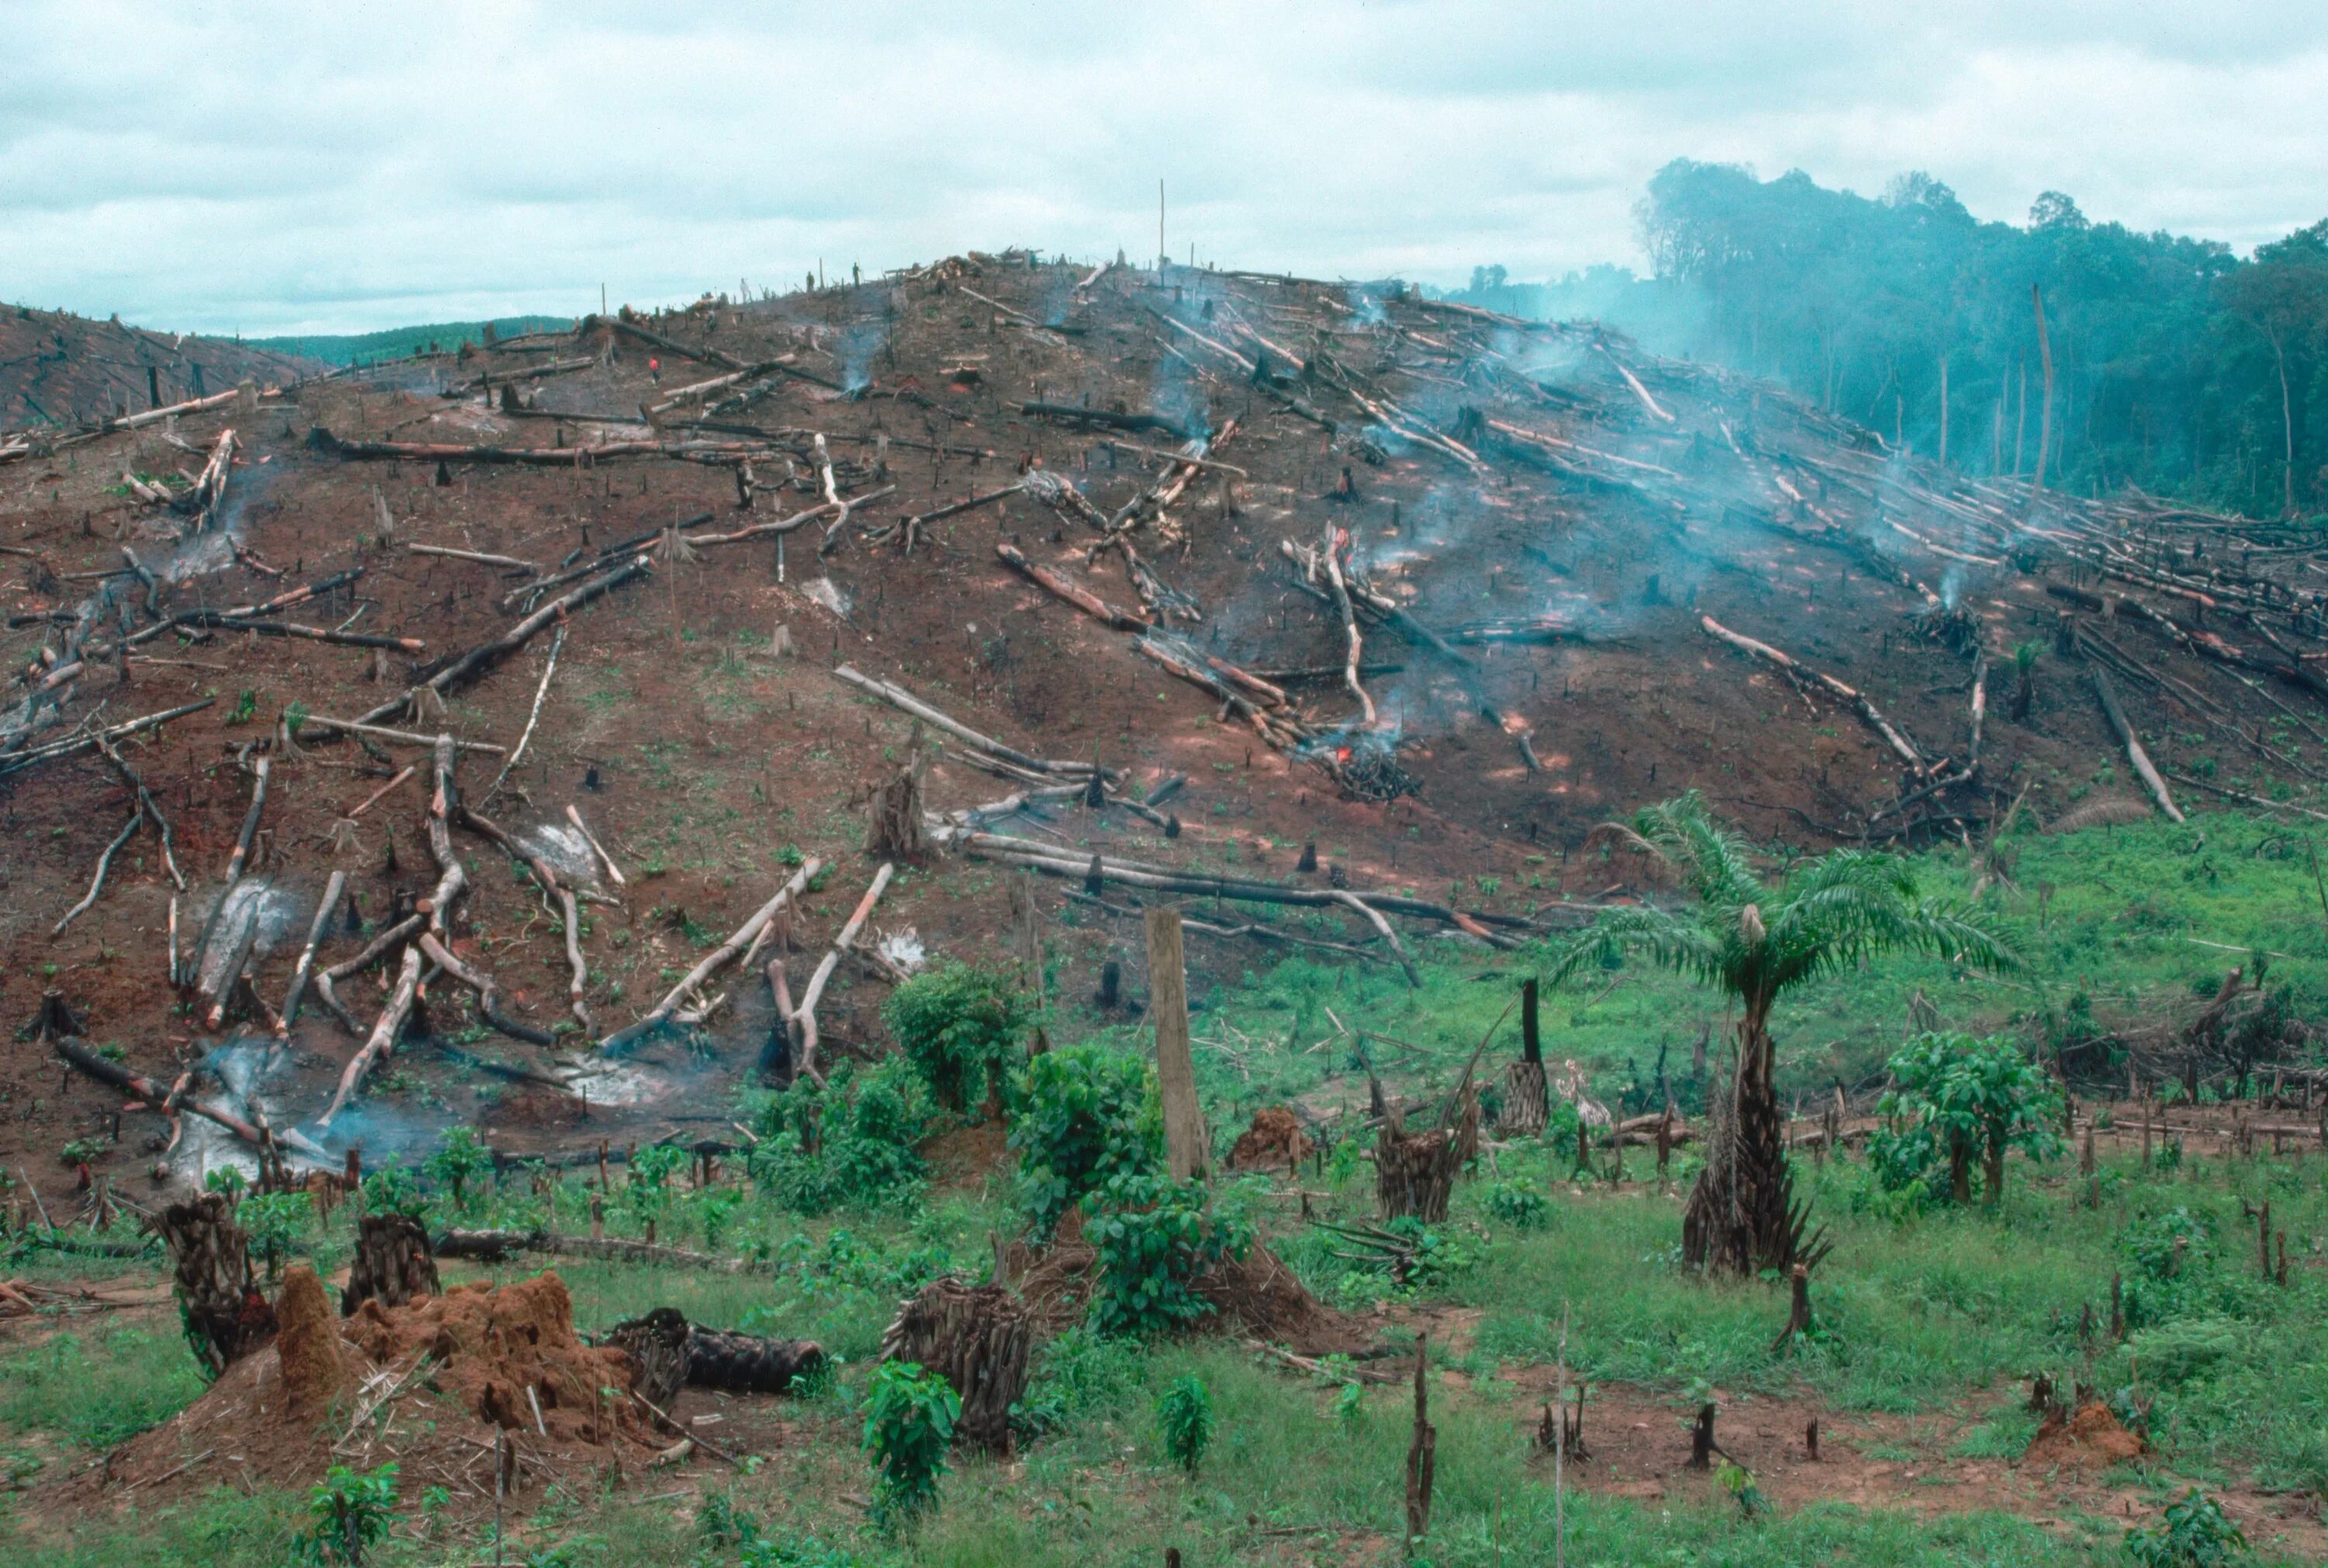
column 1274, row 1142
column 963, row 1155
column 430, row 1384
column 2092, row 1436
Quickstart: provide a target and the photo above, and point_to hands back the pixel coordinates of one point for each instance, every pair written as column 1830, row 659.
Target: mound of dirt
column 1256, row 1296
column 425, row 1384
column 2093, row 1435
column 1274, row 1142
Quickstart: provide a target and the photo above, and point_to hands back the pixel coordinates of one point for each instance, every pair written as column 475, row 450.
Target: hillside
column 61, row 371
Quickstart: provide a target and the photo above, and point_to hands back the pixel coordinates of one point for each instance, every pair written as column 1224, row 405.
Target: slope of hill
column 404, row 342
column 61, row 371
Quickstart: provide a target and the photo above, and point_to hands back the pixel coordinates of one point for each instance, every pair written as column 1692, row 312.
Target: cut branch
column 2135, row 755
column 714, row 961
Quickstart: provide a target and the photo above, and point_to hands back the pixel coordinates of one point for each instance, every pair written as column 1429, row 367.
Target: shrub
column 1963, row 1099
column 1184, row 1419
column 1517, row 1205
column 957, row 1026
column 909, row 1416
column 1084, row 1116
column 274, row 1221
column 1154, row 1236
column 351, row 1512
column 2194, row 1533
column 458, row 1158
column 851, row 1142
column 394, row 1190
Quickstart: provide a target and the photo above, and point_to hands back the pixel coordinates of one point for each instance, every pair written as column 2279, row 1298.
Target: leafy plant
column 352, row 1512
column 909, row 1418
column 1184, row 1419
column 457, row 1158
column 849, row 1142
column 394, row 1190
column 274, row 1221
column 1961, row 1099
column 1154, row 1236
column 957, row 1026
column 1759, row 943
column 2194, row 1533
column 81, row 1151
column 1084, row 1116
column 1517, row 1204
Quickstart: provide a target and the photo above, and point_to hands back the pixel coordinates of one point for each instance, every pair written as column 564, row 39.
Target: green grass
column 1936, row 1317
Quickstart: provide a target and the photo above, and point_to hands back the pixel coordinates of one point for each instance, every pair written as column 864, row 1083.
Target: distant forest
column 404, row 342
column 2177, row 367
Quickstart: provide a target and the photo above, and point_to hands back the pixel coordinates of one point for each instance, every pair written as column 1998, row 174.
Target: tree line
column 2174, row 365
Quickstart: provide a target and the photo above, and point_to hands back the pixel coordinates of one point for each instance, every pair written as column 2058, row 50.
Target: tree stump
column 893, row 828
column 393, row 1263
column 1414, row 1172
column 1421, row 1452
column 978, row 1337
column 226, row 1317
column 657, row 1345
column 1702, row 1447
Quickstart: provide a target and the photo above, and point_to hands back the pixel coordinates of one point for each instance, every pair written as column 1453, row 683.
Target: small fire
column 1342, row 754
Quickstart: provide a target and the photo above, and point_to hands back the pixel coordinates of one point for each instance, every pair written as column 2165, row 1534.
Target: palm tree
column 1757, row 944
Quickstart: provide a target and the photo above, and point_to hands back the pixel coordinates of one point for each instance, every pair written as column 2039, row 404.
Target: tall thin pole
column 1559, row 1448
column 1162, row 255
column 2045, row 355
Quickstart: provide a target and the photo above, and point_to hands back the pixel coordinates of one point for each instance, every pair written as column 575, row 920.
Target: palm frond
column 1669, row 941
column 1712, row 858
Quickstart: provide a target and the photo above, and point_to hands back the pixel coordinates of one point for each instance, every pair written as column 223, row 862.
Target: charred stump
column 1702, row 1446
column 1421, row 1452
column 393, row 1263
column 892, row 827
column 226, row 1316
column 657, row 1345
column 1414, row 1172
column 978, row 1339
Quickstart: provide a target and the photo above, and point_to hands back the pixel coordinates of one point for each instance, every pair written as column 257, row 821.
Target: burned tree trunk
column 392, row 1265
column 748, row 1363
column 978, row 1339
column 1527, row 1098
column 1414, row 1173
column 657, row 1345
column 1741, row 1214
column 893, row 828
column 226, row 1316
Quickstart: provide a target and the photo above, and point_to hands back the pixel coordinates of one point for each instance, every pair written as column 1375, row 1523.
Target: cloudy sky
column 270, row 167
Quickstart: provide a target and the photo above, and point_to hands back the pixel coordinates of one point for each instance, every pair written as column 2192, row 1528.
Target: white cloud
column 271, row 166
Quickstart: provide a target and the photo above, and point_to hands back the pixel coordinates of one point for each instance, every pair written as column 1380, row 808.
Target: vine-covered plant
column 1154, row 1236
column 958, row 1027
column 1084, row 1116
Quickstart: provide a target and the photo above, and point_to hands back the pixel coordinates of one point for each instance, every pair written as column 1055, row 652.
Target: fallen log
column 517, row 753
column 2135, row 755
column 76, row 1055
column 1082, row 598
column 400, row 736
column 492, row 1246
column 1107, row 416
column 259, row 769
column 380, row 944
column 104, row 864
column 713, row 961
column 489, row 994
column 569, row 908
column 803, row 1018
column 450, row 881
column 898, row 697
column 485, row 654
column 15, row 761
column 328, row 906
column 1797, row 672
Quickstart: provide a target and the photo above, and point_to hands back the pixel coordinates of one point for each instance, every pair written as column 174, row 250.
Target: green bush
column 2194, row 1533
column 1184, row 1419
column 848, row 1143
column 1084, row 1116
column 274, row 1221
column 957, row 1026
column 1517, row 1205
column 909, row 1416
column 2175, row 1353
column 1154, row 1236
column 352, row 1512
column 394, row 1190
column 458, row 1158
column 1956, row 1099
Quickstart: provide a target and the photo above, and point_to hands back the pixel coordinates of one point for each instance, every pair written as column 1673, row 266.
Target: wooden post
column 1531, row 1034
column 1421, row 1454
column 1027, row 923
column 1185, row 1151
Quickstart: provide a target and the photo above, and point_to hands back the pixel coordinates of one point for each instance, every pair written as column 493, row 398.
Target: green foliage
column 81, row 1151
column 275, row 1222
column 1184, row 1420
column 394, row 1190
column 1517, row 1204
column 95, row 1396
column 1085, row 1115
column 1757, row 942
column 457, row 1158
column 1955, row 1099
column 351, row 1511
column 228, row 1180
column 1154, row 1236
column 957, row 1026
column 909, row 1417
column 2194, row 1533
column 849, row 1142
column 1073, row 1375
